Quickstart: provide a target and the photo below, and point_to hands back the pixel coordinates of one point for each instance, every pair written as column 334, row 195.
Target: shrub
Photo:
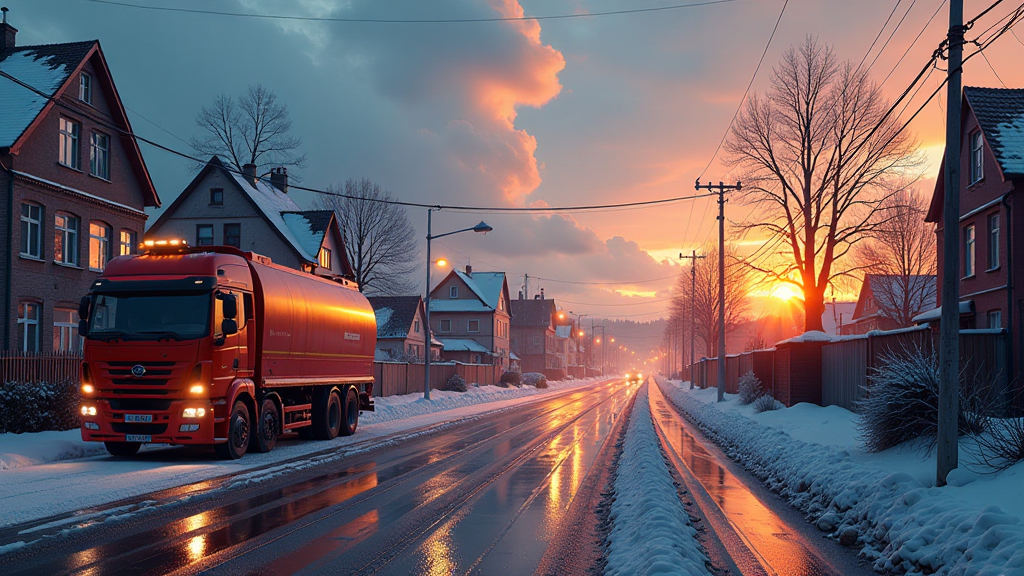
column 750, row 388
column 1001, row 445
column 509, row 379
column 39, row 406
column 535, row 379
column 456, row 384
column 901, row 403
column 766, row 402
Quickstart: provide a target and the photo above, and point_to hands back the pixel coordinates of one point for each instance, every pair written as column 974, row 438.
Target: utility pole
column 721, row 188
column 693, row 305
column 949, row 327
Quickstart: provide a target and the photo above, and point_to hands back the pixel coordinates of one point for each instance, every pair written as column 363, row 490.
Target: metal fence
column 17, row 366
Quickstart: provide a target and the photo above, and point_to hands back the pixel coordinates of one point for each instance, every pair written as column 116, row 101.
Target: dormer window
column 325, row 258
column 85, row 88
column 977, row 157
column 453, row 292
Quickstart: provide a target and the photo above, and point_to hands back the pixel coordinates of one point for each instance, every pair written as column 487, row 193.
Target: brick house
column 469, row 314
column 76, row 186
column 221, row 207
column 883, row 298
column 534, row 338
column 991, row 173
column 400, row 328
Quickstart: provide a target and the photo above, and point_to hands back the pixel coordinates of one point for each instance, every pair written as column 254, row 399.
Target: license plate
column 138, row 417
column 137, row 438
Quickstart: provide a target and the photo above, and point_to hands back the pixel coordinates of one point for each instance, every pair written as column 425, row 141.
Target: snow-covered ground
column 36, row 467
column 811, row 456
column 650, row 529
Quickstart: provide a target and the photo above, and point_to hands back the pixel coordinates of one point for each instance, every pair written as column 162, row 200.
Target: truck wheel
column 266, row 430
column 327, row 413
column 238, row 434
column 122, row 448
column 351, row 420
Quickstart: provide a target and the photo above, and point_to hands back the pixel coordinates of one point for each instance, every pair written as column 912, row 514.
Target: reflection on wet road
column 777, row 546
column 482, row 497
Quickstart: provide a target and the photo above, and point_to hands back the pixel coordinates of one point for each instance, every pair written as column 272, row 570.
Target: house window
column 68, row 143
column 325, row 258
column 32, row 230
column 477, row 359
column 446, row 326
column 65, row 330
column 453, row 291
column 977, row 156
column 233, row 235
column 99, row 155
column 993, row 241
column 204, row 234
column 99, row 245
column 216, row 196
column 536, row 340
column 416, row 326
column 65, row 239
column 995, row 319
column 85, row 88
column 127, row 243
column 28, row 326
column 969, row 251
column 473, row 326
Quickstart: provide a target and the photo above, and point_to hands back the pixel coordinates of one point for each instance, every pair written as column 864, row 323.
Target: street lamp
column 580, row 334
column 482, row 228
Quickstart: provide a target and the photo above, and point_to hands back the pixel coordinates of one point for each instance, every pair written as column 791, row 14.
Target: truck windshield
column 150, row 317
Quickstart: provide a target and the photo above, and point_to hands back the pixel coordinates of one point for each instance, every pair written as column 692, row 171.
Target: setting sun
column 785, row 292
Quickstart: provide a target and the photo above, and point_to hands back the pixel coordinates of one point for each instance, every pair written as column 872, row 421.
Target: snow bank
column 32, row 449
column 650, row 529
column 903, row 523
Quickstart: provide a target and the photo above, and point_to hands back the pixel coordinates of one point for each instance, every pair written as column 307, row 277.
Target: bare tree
column 818, row 155
column 900, row 259
column 252, row 129
column 704, row 295
column 379, row 240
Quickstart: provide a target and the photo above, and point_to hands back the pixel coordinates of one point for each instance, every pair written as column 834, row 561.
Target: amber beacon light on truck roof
column 168, row 246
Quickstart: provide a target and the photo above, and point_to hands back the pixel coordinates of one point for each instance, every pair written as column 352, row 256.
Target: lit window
column 65, row 330
column 216, row 196
column 969, row 251
column 995, row 319
column 127, row 243
column 446, row 326
column 977, row 156
column 65, row 239
column 993, row 241
column 204, row 234
column 473, row 326
column 325, row 258
column 85, row 88
column 453, row 291
column 233, row 235
column 99, row 155
column 68, row 143
column 28, row 326
column 31, row 230
column 99, row 245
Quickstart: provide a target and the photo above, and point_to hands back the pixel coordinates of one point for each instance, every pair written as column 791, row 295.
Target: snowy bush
column 1001, row 445
column 456, row 384
column 750, row 388
column 535, row 379
column 509, row 379
column 38, row 406
column 766, row 402
column 901, row 403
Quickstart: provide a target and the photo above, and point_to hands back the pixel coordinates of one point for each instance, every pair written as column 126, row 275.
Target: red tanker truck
column 212, row 345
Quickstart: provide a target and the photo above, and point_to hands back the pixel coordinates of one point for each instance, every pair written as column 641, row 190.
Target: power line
column 411, row 20
column 617, row 305
column 652, row 280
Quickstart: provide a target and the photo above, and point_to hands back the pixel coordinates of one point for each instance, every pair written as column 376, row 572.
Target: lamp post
column 482, row 228
column 580, row 334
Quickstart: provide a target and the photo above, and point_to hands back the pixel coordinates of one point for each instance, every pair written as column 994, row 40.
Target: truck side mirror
column 83, row 307
column 230, row 306
column 83, row 328
column 228, row 326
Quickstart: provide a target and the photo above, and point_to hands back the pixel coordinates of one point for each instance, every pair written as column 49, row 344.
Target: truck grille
column 130, row 404
column 139, row 381
column 150, row 429
column 151, row 392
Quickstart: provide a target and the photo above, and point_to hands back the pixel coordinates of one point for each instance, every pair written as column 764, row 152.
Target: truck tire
column 327, row 413
column 268, row 422
column 123, row 448
column 351, row 419
column 239, row 425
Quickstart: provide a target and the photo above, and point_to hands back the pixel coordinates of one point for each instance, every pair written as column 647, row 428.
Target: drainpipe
column 8, row 259
column 1009, row 292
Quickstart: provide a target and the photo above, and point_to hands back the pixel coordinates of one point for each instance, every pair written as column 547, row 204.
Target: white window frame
column 469, row 326
column 453, row 292
column 977, row 144
column 970, row 259
column 32, row 230
column 65, row 335
column 65, row 238
column 444, row 326
column 99, row 155
column 324, row 258
column 28, row 324
column 993, row 241
column 995, row 319
column 85, row 88
column 127, row 241
column 213, row 239
column 69, row 145
column 99, row 246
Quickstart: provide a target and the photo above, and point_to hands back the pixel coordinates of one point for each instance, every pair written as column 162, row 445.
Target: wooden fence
column 17, row 366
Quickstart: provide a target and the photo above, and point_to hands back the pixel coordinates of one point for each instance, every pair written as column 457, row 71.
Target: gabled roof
column 488, row 287
column 532, row 313
column 51, row 69
column 395, row 314
column 309, row 228
column 1000, row 114
column 887, row 290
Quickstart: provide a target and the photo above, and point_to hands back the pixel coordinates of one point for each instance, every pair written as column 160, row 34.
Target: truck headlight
column 193, row 412
column 196, row 389
column 88, row 410
column 87, row 389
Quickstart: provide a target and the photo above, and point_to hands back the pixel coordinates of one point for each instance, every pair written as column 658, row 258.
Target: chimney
column 541, row 293
column 249, row 172
column 520, row 294
column 469, row 269
column 279, row 178
column 8, row 31
column 536, row 296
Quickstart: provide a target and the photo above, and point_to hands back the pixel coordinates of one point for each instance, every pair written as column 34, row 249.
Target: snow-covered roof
column 458, row 305
column 46, row 68
column 935, row 314
column 309, row 229
column 395, row 315
column 463, row 345
column 274, row 204
column 563, row 331
column 1000, row 113
column 487, row 285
